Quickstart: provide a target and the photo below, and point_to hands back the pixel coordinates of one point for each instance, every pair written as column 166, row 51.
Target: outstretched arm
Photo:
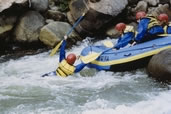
column 62, row 51
column 79, row 67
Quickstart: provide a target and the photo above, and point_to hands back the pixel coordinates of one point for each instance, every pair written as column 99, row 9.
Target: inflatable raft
column 125, row 59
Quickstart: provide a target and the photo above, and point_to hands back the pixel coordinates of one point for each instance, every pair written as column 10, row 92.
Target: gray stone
column 5, row 4
column 49, row 21
column 54, row 32
column 152, row 2
column 159, row 66
column 141, row 6
column 98, row 14
column 160, row 9
column 112, row 33
column 55, row 15
column 28, row 28
column 7, row 23
column 109, row 7
column 40, row 5
column 94, row 1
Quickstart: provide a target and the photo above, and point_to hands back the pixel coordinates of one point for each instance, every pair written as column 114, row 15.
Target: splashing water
column 23, row 91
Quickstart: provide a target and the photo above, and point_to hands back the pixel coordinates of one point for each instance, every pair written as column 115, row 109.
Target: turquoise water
column 23, row 91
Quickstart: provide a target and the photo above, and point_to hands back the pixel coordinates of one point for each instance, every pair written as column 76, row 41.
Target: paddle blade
column 108, row 44
column 89, row 58
column 56, row 48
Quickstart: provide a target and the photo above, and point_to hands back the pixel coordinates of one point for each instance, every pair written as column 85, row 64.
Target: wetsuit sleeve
column 169, row 30
column 79, row 67
column 124, row 40
column 62, row 51
column 142, row 29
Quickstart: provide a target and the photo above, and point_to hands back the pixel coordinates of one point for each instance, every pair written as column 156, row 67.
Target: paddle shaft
column 93, row 56
column 75, row 24
column 66, row 36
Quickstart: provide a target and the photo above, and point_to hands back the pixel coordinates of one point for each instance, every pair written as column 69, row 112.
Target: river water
column 23, row 91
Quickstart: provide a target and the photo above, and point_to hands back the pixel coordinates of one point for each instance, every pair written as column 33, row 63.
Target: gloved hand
column 65, row 37
column 134, row 43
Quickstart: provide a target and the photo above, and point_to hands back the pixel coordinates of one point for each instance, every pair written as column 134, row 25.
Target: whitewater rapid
column 24, row 91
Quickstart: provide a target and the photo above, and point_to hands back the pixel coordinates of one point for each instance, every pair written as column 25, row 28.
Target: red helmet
column 120, row 26
column 163, row 17
column 71, row 59
column 140, row 15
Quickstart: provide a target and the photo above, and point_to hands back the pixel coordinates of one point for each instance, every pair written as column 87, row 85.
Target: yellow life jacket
column 65, row 69
column 153, row 21
column 165, row 27
column 129, row 29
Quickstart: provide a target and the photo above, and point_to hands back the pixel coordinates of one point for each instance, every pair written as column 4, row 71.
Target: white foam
column 88, row 92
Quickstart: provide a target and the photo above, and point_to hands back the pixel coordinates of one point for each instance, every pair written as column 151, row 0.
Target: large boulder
column 98, row 13
column 162, row 8
column 109, row 7
column 152, row 2
column 54, row 32
column 159, row 66
column 39, row 5
column 55, row 15
column 7, row 23
column 5, row 4
column 28, row 28
column 141, row 6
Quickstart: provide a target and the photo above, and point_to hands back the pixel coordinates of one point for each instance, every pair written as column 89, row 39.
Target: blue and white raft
column 125, row 59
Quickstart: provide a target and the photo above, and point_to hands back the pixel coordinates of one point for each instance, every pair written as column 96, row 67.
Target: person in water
column 148, row 27
column 66, row 64
column 164, row 22
column 127, row 33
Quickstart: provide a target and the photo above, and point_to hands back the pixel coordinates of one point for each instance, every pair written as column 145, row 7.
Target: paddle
column 108, row 44
column 93, row 56
column 66, row 36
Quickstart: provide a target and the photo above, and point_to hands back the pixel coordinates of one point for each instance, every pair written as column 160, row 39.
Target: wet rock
column 55, row 15
column 94, row 1
column 49, row 21
column 54, row 32
column 165, row 1
column 97, row 14
column 152, row 2
column 7, row 23
column 160, row 9
column 70, row 18
column 5, row 4
column 133, row 2
column 159, row 66
column 39, row 5
column 28, row 28
column 113, row 33
column 109, row 7
column 141, row 6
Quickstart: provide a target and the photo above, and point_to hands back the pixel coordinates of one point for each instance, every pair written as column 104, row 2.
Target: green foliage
column 64, row 5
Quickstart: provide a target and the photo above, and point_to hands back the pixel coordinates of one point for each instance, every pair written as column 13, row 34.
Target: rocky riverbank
column 35, row 24
column 31, row 24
